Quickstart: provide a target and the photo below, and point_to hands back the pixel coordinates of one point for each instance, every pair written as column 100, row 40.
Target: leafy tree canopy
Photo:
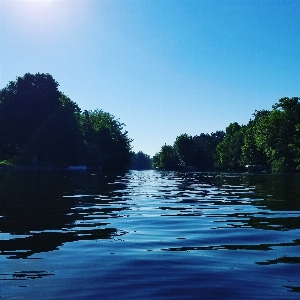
column 166, row 158
column 140, row 161
column 39, row 125
column 271, row 139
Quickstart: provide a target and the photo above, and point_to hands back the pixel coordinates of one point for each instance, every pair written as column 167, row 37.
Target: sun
column 39, row 1
column 44, row 20
column 33, row 18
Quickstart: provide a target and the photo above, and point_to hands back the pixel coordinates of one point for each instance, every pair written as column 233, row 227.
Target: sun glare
column 40, row 0
column 40, row 19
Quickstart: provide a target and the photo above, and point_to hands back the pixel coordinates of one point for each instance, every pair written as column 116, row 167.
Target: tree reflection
column 276, row 198
column 43, row 210
column 279, row 191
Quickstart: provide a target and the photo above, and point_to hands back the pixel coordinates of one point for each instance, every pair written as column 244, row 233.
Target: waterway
column 149, row 235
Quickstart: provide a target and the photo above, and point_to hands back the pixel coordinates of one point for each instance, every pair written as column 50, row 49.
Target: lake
column 149, row 235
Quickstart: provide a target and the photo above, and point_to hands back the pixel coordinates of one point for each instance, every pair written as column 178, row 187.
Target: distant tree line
column 271, row 138
column 140, row 161
column 41, row 126
column 197, row 151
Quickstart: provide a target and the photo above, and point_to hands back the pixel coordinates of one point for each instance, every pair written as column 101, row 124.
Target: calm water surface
column 149, row 235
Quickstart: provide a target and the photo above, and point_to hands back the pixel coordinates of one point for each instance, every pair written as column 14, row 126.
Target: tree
column 140, row 161
column 25, row 104
column 57, row 143
column 252, row 154
column 185, row 148
column 277, row 135
column 39, row 125
column 229, row 151
column 166, row 159
column 107, row 146
column 206, row 145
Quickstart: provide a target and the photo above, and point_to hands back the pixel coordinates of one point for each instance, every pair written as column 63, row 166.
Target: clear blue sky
column 163, row 67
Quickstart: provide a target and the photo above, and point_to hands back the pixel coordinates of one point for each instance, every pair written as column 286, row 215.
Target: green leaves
column 40, row 125
column 24, row 106
column 277, row 136
column 185, row 148
column 107, row 145
column 271, row 138
column 140, row 161
column 166, row 159
column 198, row 151
column 229, row 151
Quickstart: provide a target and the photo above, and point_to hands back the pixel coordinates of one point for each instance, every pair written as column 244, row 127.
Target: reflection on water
column 40, row 212
column 153, row 234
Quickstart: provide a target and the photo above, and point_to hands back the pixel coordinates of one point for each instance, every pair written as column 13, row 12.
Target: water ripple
column 159, row 231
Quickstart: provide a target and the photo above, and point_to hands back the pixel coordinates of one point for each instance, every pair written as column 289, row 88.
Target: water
column 149, row 235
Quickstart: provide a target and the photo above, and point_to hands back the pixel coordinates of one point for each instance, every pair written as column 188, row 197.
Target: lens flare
column 42, row 19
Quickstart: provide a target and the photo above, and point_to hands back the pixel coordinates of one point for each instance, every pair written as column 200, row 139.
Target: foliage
column 185, row 148
column 198, row 151
column 57, row 143
column 229, row 151
column 252, row 154
column 272, row 138
column 39, row 125
column 206, row 145
column 166, row 158
column 24, row 106
column 277, row 135
column 140, row 161
column 107, row 146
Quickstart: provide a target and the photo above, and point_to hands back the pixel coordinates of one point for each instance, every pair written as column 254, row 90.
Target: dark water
column 149, row 235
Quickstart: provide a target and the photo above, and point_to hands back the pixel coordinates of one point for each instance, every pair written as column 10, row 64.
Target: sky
column 162, row 67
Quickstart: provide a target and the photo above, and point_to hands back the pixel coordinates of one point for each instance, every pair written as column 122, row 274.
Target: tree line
column 41, row 126
column 140, row 161
column 189, row 151
column 271, row 138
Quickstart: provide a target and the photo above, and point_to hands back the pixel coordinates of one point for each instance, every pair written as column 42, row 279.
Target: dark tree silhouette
column 140, row 161
column 41, row 126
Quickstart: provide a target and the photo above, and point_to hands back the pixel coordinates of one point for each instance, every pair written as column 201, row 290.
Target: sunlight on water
column 150, row 235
